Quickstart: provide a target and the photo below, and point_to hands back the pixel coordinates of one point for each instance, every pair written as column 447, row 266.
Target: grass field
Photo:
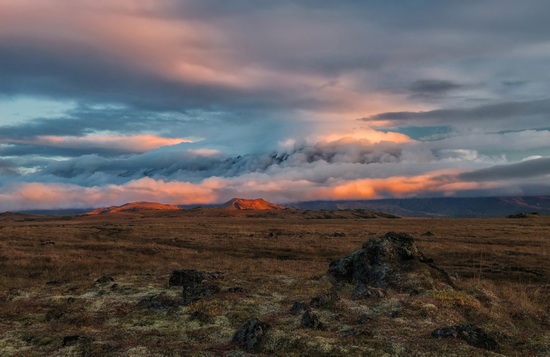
column 52, row 304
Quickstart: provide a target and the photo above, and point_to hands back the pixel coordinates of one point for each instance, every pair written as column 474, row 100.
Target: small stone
column 320, row 300
column 202, row 317
column 186, row 277
column 71, row 340
column 191, row 294
column 105, row 279
column 472, row 334
column 158, row 302
column 251, row 335
column 298, row 307
column 310, row 320
column 236, row 290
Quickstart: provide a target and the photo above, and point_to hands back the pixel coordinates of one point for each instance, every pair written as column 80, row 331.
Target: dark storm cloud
column 529, row 114
column 90, row 76
column 8, row 168
column 86, row 119
column 521, row 170
column 433, row 86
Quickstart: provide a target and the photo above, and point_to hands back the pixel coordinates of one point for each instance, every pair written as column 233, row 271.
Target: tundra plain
column 97, row 285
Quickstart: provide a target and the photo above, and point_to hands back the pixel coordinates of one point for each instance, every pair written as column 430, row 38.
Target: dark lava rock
column 105, row 279
column 185, row 277
column 310, row 320
column 236, row 290
column 202, row 317
column 195, row 284
column 428, row 234
column 320, row 300
column 298, row 307
column 158, row 302
column 71, row 340
column 56, row 282
column 392, row 261
column 198, row 292
column 473, row 335
column 251, row 335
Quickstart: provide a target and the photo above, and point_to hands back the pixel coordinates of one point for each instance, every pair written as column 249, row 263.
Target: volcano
column 135, row 207
column 255, row 204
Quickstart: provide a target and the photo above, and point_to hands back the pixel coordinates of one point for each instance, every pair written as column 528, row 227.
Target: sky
column 197, row 101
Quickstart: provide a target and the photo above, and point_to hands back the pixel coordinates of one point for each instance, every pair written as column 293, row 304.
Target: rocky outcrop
column 472, row 334
column 391, row 262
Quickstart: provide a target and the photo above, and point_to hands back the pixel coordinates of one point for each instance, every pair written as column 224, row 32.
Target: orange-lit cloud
column 119, row 143
column 363, row 134
column 217, row 189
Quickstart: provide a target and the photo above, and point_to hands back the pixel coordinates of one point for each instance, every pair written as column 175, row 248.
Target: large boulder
column 391, row 262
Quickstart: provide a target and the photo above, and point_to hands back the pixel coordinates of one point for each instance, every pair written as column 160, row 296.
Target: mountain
column 135, row 207
column 441, row 207
column 15, row 216
column 255, row 204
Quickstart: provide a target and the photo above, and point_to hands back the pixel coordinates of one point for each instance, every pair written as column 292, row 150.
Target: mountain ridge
column 135, row 207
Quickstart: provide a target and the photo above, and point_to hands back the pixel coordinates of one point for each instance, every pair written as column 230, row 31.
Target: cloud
column 433, row 86
column 269, row 93
column 525, row 169
column 116, row 143
column 533, row 115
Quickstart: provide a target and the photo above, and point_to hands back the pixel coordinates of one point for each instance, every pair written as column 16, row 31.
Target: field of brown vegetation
column 98, row 285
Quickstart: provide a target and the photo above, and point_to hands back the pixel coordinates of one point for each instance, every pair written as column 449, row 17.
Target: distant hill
column 256, row 204
column 440, row 207
column 15, row 216
column 135, row 207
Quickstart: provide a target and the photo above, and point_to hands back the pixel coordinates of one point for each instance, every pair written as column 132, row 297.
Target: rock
column 251, row 335
column 202, row 317
column 185, row 277
column 236, row 290
column 195, row 285
column 298, row 307
column 320, row 300
column 71, row 340
column 158, row 302
column 56, row 282
column 472, row 334
column 105, row 279
column 310, row 320
column 392, row 261
column 198, row 292
column 428, row 234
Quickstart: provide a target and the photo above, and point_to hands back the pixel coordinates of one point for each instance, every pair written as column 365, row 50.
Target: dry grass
column 48, row 269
